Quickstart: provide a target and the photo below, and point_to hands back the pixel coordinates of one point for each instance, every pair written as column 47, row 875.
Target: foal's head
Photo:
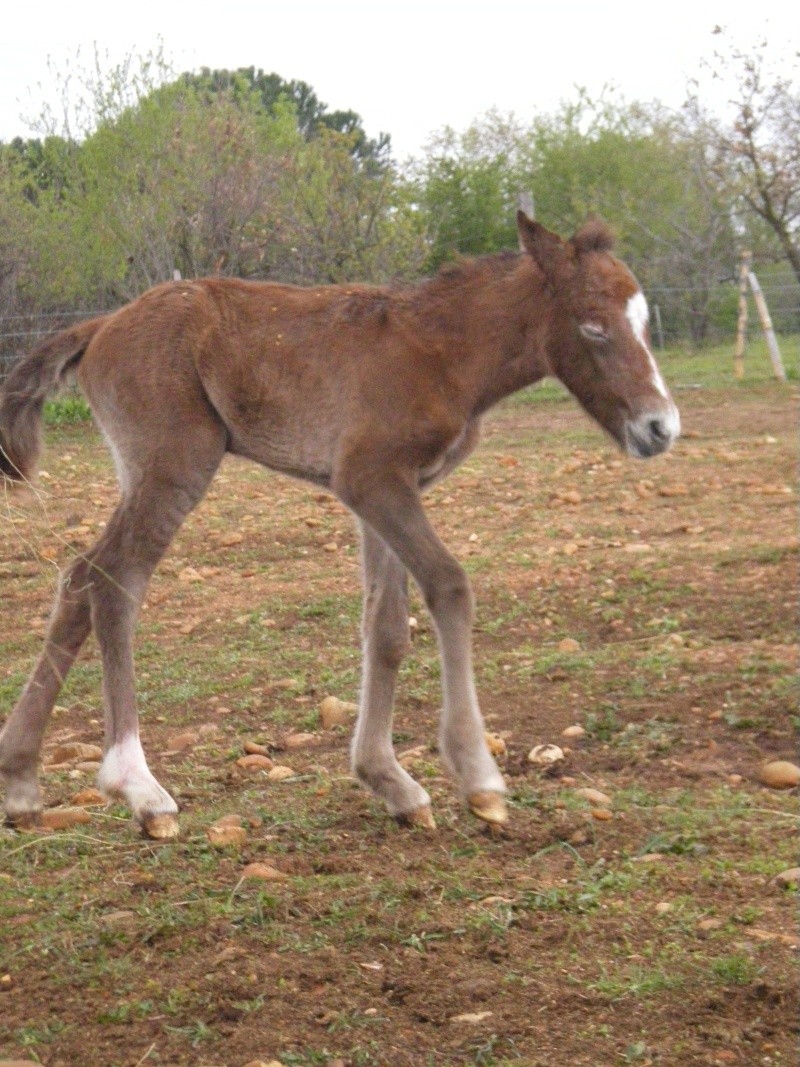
column 599, row 341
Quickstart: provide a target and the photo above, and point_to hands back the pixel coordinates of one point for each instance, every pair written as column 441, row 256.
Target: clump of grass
column 69, row 409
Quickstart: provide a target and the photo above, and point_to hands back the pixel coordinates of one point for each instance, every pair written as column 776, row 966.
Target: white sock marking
column 124, row 773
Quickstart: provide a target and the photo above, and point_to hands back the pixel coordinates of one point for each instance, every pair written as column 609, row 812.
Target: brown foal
column 374, row 393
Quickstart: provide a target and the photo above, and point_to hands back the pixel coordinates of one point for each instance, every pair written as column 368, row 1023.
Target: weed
column 69, row 409
column 735, row 970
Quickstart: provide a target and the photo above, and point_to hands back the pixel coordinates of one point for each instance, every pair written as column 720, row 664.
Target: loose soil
column 654, row 936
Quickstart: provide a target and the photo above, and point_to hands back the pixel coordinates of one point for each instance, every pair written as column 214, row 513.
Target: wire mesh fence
column 679, row 317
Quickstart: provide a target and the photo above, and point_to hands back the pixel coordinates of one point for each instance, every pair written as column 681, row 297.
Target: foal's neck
column 507, row 315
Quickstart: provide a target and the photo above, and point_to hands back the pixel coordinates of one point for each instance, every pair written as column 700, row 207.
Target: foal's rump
column 136, row 368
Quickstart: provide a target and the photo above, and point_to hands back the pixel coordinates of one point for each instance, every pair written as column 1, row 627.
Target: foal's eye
column 592, row 332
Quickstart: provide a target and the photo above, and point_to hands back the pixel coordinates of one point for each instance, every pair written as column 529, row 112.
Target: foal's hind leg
column 21, row 738
column 104, row 589
column 135, row 540
column 385, row 643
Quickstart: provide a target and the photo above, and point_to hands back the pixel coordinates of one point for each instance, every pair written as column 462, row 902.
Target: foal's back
column 295, row 375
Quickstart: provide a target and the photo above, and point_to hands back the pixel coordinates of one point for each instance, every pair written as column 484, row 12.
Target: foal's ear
column 546, row 248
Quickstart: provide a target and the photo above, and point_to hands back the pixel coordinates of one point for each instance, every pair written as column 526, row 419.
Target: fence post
column 766, row 326
column 525, row 203
column 659, row 327
column 741, row 322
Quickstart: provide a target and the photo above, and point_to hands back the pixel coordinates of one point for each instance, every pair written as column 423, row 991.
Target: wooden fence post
column 766, row 326
column 741, row 322
column 525, row 203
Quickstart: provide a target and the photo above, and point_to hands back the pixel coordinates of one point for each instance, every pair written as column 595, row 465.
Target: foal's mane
column 467, row 271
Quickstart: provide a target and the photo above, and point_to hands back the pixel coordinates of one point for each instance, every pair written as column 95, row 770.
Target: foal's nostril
column 658, row 430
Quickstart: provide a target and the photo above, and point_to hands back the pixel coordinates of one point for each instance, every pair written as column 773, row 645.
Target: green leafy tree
column 312, row 114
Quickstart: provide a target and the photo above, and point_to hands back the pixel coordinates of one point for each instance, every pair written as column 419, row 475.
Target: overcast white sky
column 407, row 68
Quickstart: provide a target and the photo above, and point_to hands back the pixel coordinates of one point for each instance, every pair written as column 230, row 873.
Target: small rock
column 569, row 644
column 496, row 744
column 63, row 818
column 791, row 877
column 252, row 748
column 638, row 547
column 780, row 774
column 570, row 496
column 223, row 836
column 255, row 762
column 228, row 540
column 300, row 740
column 663, row 907
column 228, row 820
column 75, row 751
column 331, row 546
column 189, row 574
column 89, row 798
column 705, row 926
column 574, row 732
column 471, row 1017
column 117, row 918
column 545, row 755
column 179, row 742
column 601, row 814
column 264, row 872
column 335, row 712
column 280, row 773
column 594, row 796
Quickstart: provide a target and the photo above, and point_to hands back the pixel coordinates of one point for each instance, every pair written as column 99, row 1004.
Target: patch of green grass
column 639, row 982
column 735, row 970
column 69, row 409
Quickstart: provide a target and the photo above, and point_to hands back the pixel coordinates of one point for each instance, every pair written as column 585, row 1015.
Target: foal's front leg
column 391, row 506
column 385, row 643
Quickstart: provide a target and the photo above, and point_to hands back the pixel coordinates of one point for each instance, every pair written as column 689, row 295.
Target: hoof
column 491, row 807
column 422, row 817
column 24, row 820
column 160, row 827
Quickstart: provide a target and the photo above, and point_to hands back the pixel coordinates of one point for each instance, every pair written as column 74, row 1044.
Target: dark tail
column 24, row 392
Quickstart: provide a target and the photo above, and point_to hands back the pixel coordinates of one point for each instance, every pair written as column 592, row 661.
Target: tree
column 312, row 114
column 636, row 166
column 345, row 221
column 755, row 157
column 467, row 188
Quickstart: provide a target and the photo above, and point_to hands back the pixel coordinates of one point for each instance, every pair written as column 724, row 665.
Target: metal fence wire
column 673, row 320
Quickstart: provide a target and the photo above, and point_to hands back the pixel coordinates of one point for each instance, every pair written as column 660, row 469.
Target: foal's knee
column 390, row 645
column 448, row 593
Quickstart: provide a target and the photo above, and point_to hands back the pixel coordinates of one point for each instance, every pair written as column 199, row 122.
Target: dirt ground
column 651, row 604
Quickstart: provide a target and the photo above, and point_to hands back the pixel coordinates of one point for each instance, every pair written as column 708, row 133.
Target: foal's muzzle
column 652, row 432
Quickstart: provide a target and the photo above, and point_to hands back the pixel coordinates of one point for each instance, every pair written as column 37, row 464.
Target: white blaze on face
column 638, row 315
